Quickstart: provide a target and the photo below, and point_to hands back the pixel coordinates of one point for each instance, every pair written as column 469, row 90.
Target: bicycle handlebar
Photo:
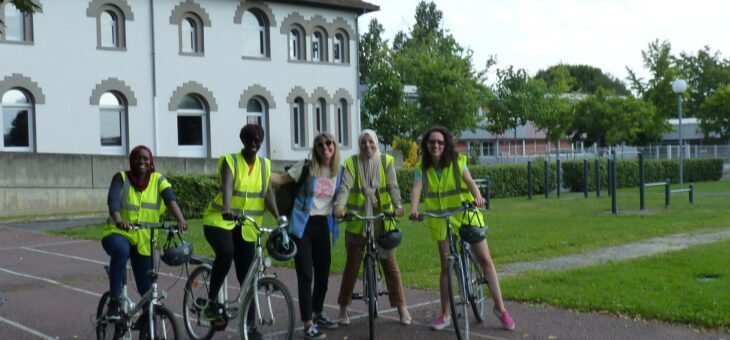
column 465, row 206
column 351, row 216
column 173, row 228
column 240, row 218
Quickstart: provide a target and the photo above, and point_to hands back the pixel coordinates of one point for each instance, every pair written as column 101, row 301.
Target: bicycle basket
column 390, row 239
column 176, row 251
column 279, row 250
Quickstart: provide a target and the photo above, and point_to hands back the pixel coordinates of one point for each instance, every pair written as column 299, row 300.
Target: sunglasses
column 434, row 142
column 322, row 144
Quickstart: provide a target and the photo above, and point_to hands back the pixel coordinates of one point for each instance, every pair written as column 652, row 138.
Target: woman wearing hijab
column 133, row 198
column 369, row 177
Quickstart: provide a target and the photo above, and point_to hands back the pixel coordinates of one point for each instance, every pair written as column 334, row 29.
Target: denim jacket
column 303, row 204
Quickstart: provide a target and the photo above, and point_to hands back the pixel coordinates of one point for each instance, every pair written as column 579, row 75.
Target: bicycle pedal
column 357, row 296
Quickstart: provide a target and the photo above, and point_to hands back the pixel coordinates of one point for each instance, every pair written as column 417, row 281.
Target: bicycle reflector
column 278, row 249
column 176, row 252
column 389, row 239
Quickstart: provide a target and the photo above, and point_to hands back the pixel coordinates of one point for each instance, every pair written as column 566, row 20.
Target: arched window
column 255, row 35
column 316, row 46
column 192, row 127
column 343, row 123
column 296, row 48
column 17, row 109
column 189, row 36
column 320, row 116
column 298, row 122
column 109, row 29
column 340, row 48
column 18, row 27
column 256, row 114
column 113, row 123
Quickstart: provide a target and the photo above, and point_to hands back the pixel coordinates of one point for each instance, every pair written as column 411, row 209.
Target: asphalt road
column 52, row 285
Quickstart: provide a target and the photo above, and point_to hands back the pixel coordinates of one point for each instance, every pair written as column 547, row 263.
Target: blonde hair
column 334, row 164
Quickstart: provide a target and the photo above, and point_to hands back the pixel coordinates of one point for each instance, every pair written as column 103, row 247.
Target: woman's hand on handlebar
column 124, row 225
column 399, row 211
column 414, row 215
column 228, row 215
column 339, row 213
column 182, row 225
column 479, row 201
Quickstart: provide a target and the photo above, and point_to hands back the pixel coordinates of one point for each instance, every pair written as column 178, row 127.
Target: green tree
column 556, row 115
column 714, row 114
column 585, row 79
column 664, row 69
column 704, row 72
column 371, row 43
column 25, row 6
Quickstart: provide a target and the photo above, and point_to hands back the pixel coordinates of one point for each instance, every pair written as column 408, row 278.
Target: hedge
column 194, row 191
column 655, row 170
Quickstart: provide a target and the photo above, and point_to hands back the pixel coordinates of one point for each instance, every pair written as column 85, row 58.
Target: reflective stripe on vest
column 445, row 194
column 356, row 198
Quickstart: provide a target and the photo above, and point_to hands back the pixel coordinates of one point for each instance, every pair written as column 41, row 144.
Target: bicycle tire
column 105, row 329
column 166, row 326
column 371, row 293
column 194, row 302
column 458, row 299
column 275, row 316
column 476, row 280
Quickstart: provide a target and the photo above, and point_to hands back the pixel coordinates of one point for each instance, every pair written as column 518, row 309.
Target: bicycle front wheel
column 273, row 317
column 106, row 329
column 194, row 302
column 476, row 282
column 164, row 324
column 370, row 289
column 458, row 299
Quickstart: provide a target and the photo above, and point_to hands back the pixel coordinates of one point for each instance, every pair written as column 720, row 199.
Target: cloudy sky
column 535, row 34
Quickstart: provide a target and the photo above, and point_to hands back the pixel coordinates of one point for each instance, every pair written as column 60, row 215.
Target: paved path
column 52, row 285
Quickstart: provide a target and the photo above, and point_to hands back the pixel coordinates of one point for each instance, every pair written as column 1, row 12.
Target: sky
column 536, row 34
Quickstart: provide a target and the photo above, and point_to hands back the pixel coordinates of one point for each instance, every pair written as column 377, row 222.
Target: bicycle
column 272, row 304
column 466, row 281
column 372, row 269
column 149, row 315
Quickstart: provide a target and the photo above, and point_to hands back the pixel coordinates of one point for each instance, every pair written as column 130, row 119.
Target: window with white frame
column 111, row 28
column 17, row 111
column 339, row 47
column 486, row 149
column 256, row 114
column 192, row 127
column 113, row 123
column 191, row 34
column 319, row 45
column 296, row 46
column 299, row 122
column 18, row 27
column 343, row 123
column 320, row 116
column 255, row 33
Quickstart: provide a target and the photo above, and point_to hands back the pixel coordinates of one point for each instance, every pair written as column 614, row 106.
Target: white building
column 97, row 77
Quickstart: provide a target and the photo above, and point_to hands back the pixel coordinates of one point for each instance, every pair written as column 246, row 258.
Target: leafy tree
column 25, row 6
column 714, row 114
column 556, row 116
column 371, row 43
column 585, row 79
column 516, row 98
column 704, row 72
column 658, row 90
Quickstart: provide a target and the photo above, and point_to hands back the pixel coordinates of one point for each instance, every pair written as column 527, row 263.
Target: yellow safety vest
column 356, row 198
column 140, row 207
column 249, row 191
column 446, row 194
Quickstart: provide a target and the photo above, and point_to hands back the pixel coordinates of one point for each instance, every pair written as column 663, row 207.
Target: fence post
column 666, row 194
column 529, row 180
column 598, row 178
column 558, row 172
column 585, row 178
column 547, row 188
column 642, row 197
column 692, row 194
column 614, row 207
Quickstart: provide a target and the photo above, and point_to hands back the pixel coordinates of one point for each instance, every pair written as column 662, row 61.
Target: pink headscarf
column 138, row 183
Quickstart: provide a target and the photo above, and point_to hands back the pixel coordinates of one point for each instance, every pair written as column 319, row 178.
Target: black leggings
column 229, row 246
column 314, row 256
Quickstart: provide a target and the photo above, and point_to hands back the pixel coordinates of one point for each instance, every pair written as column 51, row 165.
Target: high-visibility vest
column 356, row 198
column 249, row 191
column 140, row 207
column 446, row 194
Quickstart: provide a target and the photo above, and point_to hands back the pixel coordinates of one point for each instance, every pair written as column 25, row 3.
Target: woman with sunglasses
column 439, row 160
column 369, row 186
column 310, row 225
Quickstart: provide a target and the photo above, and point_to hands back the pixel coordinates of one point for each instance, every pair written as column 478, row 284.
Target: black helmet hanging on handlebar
column 472, row 234
column 389, row 239
column 278, row 248
column 176, row 251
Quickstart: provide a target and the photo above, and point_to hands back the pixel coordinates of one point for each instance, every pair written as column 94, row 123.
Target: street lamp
column 679, row 86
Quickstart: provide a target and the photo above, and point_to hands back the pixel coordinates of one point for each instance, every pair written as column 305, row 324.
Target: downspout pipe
column 153, row 74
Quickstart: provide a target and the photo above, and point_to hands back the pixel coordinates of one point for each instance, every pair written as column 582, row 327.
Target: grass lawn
column 525, row 230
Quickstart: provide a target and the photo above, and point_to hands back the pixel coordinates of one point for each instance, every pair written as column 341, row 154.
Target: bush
column 193, row 192
column 655, row 170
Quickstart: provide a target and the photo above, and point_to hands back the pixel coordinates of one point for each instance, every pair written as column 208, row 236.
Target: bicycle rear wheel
column 106, row 329
column 458, row 299
column 477, row 285
column 274, row 316
column 370, row 292
column 165, row 326
column 194, row 302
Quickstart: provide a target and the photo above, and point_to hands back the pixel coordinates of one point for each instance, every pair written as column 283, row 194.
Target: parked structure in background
column 94, row 78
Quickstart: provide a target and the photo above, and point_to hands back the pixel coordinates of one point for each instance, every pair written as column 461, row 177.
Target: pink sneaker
column 505, row 319
column 441, row 322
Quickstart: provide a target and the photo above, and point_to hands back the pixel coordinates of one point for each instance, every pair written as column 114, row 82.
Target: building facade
column 98, row 77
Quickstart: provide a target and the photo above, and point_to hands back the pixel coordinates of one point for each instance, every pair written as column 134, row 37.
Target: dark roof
column 361, row 7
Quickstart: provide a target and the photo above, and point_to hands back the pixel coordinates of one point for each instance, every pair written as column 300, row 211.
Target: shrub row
column 194, row 191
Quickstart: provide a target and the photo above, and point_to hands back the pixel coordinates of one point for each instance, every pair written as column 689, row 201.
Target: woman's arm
column 280, row 179
column 478, row 199
column 113, row 201
column 226, row 190
column 270, row 202
column 182, row 225
column 391, row 184
column 415, row 198
column 345, row 186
